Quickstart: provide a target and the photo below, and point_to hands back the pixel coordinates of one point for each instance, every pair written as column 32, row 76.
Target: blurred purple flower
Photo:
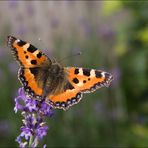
column 3, row 53
column 54, row 22
column 98, row 107
column 5, row 127
column 86, row 26
column 12, row 3
column 34, row 112
column 13, row 67
column 21, row 30
column 30, row 10
column 116, row 72
column 106, row 33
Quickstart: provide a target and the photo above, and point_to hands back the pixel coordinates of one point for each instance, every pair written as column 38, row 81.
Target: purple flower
column 86, row 26
column 31, row 105
column 13, row 67
column 18, row 105
column 22, row 29
column 26, row 132
column 13, row 3
column 46, row 109
column 34, row 112
column 30, row 10
column 41, row 131
column 54, row 22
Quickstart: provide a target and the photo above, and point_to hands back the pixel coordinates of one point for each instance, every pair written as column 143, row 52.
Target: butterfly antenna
column 77, row 54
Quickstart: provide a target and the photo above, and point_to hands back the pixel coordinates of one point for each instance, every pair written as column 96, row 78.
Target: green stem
column 30, row 141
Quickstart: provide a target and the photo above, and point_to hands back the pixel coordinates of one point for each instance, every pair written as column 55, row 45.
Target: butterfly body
column 43, row 78
column 55, row 80
column 50, row 78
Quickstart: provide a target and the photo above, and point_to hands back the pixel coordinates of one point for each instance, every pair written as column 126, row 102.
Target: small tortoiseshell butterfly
column 43, row 78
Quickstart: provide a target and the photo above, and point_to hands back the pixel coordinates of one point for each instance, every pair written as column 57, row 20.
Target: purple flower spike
column 31, row 105
column 18, row 105
column 46, row 109
column 21, row 144
column 26, row 132
column 42, row 131
column 34, row 112
column 21, row 93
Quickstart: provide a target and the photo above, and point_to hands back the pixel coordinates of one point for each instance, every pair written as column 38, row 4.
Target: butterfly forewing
column 88, row 80
column 26, row 54
column 32, row 62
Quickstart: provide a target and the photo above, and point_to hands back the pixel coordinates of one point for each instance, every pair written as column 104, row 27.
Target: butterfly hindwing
column 65, row 100
column 26, row 54
column 81, row 81
column 28, row 78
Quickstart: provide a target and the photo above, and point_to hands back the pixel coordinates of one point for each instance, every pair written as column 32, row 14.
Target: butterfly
column 42, row 77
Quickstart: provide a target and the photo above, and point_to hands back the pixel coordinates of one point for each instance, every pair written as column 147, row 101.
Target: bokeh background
column 112, row 36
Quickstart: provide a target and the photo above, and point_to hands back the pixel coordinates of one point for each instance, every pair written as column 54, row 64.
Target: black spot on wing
column 68, row 86
column 86, row 72
column 33, row 62
column 76, row 71
column 75, row 80
column 31, row 48
column 68, row 103
column 34, row 71
column 21, row 43
column 26, row 57
column 98, row 74
column 39, row 55
column 24, row 82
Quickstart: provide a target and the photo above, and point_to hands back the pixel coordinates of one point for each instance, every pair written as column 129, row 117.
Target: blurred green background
column 113, row 36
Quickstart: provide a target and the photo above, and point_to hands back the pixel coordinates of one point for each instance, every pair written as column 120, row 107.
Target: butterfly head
column 56, row 69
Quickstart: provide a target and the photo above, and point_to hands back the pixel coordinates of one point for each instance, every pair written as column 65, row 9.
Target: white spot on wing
column 36, row 52
column 80, row 84
column 26, row 46
column 17, row 40
column 92, row 73
column 103, row 74
column 28, row 61
column 80, row 71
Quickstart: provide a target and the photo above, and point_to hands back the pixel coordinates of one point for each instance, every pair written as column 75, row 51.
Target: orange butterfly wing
column 31, row 61
column 26, row 54
column 29, row 82
column 82, row 81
